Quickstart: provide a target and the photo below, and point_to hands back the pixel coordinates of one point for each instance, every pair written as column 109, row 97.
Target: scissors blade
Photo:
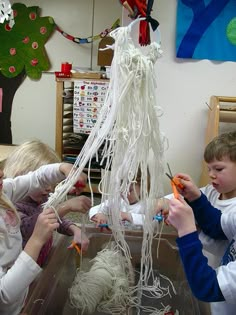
column 168, row 165
column 170, row 177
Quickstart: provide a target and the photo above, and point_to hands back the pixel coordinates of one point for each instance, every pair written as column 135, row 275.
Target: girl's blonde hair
column 6, row 203
column 28, row 157
column 25, row 158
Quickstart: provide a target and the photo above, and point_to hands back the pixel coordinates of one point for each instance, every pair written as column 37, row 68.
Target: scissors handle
column 74, row 245
column 79, row 185
column 158, row 217
column 103, row 225
column 175, row 190
column 177, row 182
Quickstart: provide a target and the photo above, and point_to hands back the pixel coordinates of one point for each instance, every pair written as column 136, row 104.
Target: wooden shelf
column 67, row 143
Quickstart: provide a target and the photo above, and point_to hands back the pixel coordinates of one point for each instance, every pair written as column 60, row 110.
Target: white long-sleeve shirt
column 136, row 211
column 17, row 268
column 214, row 249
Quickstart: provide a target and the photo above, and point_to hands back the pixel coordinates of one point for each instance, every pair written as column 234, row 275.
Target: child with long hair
column 28, row 157
column 18, row 268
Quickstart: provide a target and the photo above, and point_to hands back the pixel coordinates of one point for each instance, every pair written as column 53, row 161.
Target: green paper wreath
column 22, row 46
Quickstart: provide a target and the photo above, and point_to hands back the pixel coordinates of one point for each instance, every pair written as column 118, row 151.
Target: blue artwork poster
column 206, row 29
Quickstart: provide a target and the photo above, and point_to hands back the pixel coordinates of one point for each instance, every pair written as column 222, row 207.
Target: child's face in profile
column 223, row 176
column 134, row 193
column 42, row 195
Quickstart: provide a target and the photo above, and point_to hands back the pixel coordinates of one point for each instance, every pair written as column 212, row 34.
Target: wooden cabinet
column 78, row 102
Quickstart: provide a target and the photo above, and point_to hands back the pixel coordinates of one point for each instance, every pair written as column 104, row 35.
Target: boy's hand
column 190, row 191
column 181, row 217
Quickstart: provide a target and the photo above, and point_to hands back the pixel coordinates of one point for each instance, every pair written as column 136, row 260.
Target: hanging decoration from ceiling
column 90, row 39
column 206, row 29
column 6, row 12
column 142, row 8
column 22, row 46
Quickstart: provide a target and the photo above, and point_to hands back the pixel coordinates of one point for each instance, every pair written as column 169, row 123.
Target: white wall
column 183, row 85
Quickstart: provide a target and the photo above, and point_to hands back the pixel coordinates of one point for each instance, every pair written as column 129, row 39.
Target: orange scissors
column 74, row 245
column 175, row 182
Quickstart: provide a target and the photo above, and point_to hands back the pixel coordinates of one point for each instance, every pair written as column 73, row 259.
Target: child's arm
column 45, row 225
column 19, row 187
column 134, row 218
column 69, row 228
column 76, row 204
column 15, row 281
column 201, row 277
column 79, row 237
column 208, row 218
column 190, row 191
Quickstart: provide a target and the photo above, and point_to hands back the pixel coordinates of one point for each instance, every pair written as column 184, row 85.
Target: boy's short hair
column 221, row 146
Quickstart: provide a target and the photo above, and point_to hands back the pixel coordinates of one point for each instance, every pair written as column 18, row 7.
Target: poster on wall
column 89, row 96
column 206, row 29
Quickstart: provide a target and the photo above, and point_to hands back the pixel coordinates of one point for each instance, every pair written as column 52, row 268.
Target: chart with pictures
column 89, row 97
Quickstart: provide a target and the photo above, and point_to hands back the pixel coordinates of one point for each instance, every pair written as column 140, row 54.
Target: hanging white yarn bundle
column 128, row 125
column 105, row 286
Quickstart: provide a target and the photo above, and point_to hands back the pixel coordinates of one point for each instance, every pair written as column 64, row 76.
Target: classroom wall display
column 22, row 45
column 206, row 29
column 90, row 39
column 22, row 54
column 89, row 96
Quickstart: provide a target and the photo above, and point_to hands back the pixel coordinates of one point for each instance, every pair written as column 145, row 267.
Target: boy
column 220, row 156
column 207, row 284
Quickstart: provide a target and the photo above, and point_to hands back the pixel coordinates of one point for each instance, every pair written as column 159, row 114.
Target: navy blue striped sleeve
column 202, row 278
column 208, row 218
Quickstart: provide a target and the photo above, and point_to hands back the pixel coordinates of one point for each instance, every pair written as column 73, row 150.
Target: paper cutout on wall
column 22, row 46
column 6, row 12
column 90, row 39
column 206, row 29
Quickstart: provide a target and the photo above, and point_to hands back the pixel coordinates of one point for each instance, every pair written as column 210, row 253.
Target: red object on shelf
column 62, row 74
column 66, row 67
